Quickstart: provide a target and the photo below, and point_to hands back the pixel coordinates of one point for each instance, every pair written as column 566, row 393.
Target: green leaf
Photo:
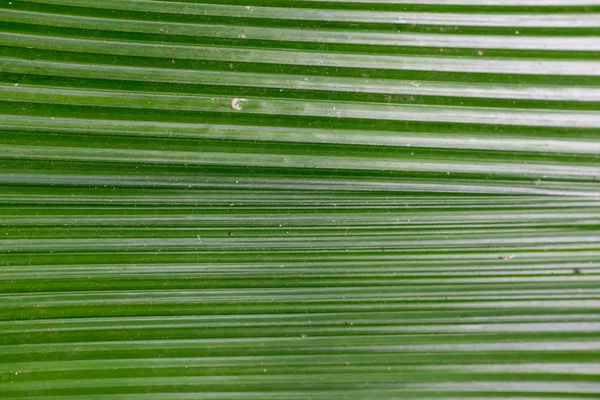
column 299, row 199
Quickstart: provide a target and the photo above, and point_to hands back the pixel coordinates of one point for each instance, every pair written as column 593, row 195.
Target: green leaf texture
column 299, row 199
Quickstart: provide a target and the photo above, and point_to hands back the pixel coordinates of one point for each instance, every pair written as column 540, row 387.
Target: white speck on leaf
column 236, row 103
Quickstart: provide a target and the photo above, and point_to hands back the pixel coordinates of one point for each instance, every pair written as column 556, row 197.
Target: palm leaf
column 299, row 199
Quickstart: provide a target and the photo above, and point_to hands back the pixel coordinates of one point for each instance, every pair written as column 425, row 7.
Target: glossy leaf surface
column 311, row 199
